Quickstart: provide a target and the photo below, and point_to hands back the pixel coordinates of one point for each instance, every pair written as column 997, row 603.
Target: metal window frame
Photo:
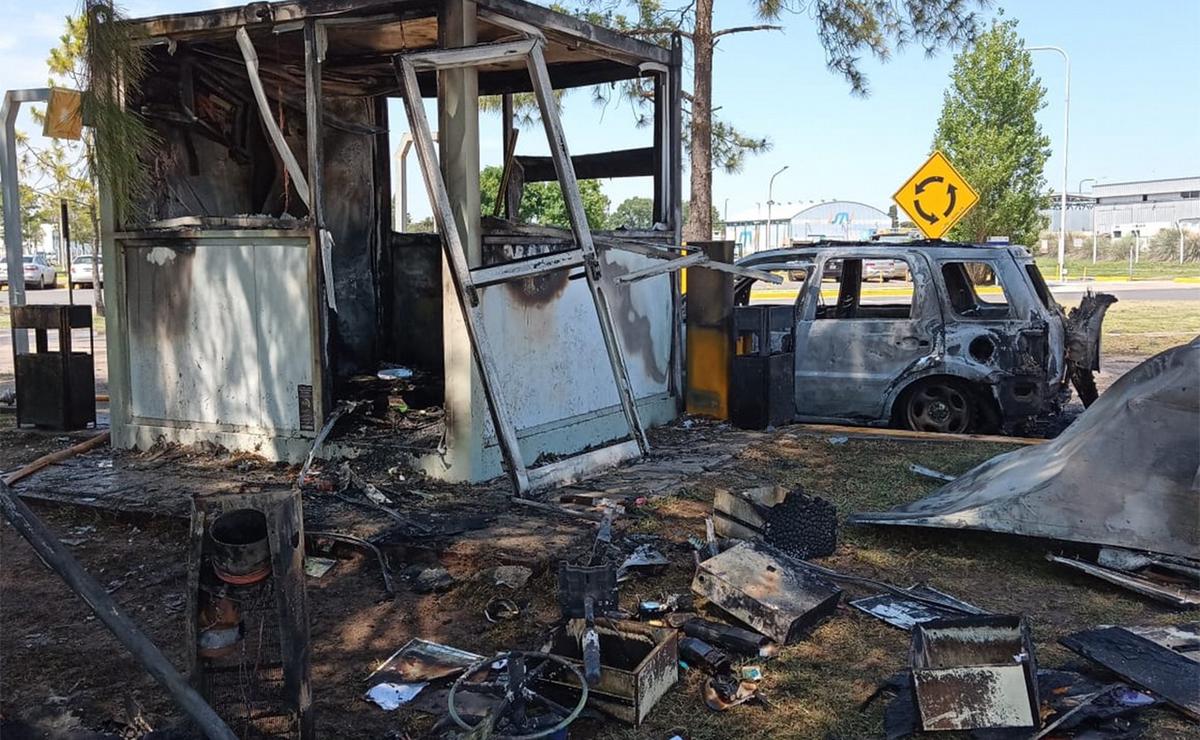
column 467, row 282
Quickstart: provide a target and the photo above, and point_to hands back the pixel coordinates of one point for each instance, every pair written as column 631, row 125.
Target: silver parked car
column 38, row 272
column 975, row 342
column 81, row 272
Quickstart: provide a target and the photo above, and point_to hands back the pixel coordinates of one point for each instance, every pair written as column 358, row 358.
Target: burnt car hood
column 1083, row 326
column 1126, row 473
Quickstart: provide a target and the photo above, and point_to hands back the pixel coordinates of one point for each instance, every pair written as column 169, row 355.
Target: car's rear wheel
column 940, row 405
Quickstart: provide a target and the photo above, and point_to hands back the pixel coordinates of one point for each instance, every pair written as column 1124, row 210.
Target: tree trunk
column 699, row 223
column 97, row 291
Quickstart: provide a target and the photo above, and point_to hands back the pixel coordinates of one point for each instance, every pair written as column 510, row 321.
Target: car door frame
column 875, row 389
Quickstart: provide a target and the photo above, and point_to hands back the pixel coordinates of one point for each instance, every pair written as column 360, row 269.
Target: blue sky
column 1135, row 99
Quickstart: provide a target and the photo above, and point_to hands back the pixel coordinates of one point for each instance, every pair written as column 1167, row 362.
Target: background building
column 1143, row 207
column 832, row 219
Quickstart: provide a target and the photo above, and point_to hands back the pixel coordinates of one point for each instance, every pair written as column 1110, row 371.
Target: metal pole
column 1062, row 224
column 65, row 230
column 59, row 559
column 12, row 200
column 1093, row 181
column 1093, row 234
column 771, row 202
column 402, row 166
column 1179, row 226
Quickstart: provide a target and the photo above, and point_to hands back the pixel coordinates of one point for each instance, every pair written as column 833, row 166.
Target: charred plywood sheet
column 551, row 358
column 1160, row 660
column 1123, row 474
column 218, row 331
column 350, row 210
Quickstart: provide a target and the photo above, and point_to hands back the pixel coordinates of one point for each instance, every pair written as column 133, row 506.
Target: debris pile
column 802, row 526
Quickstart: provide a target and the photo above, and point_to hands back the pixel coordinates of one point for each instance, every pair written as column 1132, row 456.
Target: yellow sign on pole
column 936, row 196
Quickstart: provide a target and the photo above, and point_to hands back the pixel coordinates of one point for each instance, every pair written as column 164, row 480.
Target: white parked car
column 38, row 271
column 81, row 272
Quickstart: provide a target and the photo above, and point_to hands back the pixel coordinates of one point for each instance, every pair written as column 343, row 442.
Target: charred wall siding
column 352, row 216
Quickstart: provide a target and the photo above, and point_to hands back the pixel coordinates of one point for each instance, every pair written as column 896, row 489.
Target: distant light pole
column 1093, row 181
column 1062, row 222
column 1179, row 225
column 770, row 202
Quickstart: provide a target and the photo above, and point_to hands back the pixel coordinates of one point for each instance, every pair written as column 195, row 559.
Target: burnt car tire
column 941, row 405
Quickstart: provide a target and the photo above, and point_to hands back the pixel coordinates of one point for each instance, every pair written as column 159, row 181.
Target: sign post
column 936, row 196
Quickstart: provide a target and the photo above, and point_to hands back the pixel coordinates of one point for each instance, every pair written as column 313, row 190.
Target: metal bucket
column 241, row 553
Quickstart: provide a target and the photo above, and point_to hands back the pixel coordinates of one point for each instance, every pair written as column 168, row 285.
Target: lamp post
column 1179, row 225
column 1062, row 222
column 770, row 202
column 1093, row 181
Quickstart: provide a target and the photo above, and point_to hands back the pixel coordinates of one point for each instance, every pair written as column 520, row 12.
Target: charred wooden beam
column 581, row 32
column 207, row 22
column 620, row 163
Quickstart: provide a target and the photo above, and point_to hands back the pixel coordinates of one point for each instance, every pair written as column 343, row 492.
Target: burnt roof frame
column 614, row 56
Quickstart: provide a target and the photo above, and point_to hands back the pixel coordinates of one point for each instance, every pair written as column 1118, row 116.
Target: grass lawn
column 816, row 685
column 1149, row 327
column 6, row 319
column 1144, row 270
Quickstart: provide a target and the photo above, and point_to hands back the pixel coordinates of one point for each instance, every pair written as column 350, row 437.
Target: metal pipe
column 65, row 234
column 13, row 246
column 59, row 559
column 1062, row 223
column 770, row 202
column 1094, row 205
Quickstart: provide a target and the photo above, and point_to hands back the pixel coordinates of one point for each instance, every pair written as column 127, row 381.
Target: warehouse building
column 804, row 222
column 1143, row 207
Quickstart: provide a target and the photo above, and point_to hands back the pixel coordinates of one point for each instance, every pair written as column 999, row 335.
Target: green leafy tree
column 633, row 213
column 33, row 213
column 424, row 226
column 989, row 130
column 845, row 28
column 542, row 202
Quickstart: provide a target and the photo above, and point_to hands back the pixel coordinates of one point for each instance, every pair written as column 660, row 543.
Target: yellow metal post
column 710, row 340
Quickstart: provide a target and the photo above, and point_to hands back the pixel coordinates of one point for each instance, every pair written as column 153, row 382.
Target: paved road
column 1150, row 290
column 83, row 296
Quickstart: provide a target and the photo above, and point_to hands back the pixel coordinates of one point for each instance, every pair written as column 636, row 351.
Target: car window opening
column 863, row 291
column 975, row 290
column 1039, row 285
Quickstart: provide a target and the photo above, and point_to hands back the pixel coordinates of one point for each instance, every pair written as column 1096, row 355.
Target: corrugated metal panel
column 1149, row 218
column 1146, row 187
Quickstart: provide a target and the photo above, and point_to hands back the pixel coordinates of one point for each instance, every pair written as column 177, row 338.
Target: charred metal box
column 975, row 673
column 762, row 391
column 638, row 665
column 772, row 595
column 56, row 389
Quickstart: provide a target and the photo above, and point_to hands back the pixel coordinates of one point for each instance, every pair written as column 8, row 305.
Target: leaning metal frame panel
column 568, row 469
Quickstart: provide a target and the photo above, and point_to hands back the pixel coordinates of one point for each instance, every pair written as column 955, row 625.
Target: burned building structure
column 261, row 274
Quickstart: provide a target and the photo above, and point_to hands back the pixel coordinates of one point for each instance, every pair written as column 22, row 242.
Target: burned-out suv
column 972, row 341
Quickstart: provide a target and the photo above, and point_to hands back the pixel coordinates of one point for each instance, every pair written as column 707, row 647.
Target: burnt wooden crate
column 638, row 665
column 740, row 514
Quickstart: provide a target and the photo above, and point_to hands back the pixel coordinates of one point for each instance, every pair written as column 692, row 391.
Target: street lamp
column 1093, row 181
column 770, row 202
column 1062, row 221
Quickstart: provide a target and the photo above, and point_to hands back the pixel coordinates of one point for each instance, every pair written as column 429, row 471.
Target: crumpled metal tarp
column 1126, row 473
